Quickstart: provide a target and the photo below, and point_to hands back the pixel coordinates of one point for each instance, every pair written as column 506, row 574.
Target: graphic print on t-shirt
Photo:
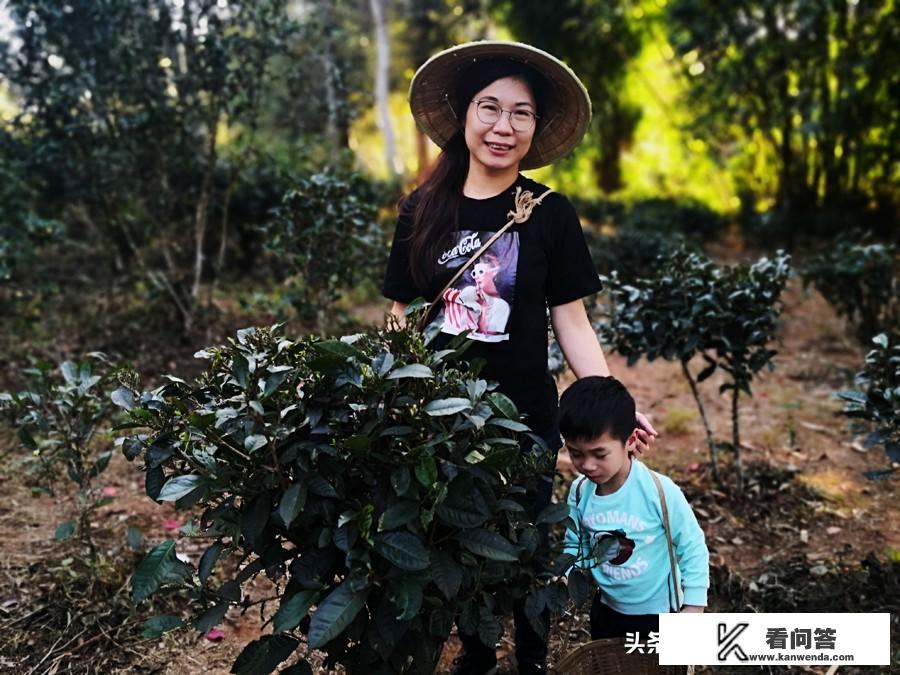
column 481, row 300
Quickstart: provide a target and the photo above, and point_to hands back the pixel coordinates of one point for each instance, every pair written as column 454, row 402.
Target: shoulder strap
column 579, row 484
column 668, row 530
column 525, row 203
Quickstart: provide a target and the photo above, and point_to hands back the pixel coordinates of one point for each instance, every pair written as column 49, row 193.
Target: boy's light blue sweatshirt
column 639, row 582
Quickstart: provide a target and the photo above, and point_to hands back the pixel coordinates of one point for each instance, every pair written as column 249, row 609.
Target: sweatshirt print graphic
column 481, row 300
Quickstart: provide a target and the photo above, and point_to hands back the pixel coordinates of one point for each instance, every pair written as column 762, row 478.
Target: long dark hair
column 436, row 214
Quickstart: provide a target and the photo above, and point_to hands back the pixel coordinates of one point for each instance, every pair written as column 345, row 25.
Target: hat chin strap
column 455, row 116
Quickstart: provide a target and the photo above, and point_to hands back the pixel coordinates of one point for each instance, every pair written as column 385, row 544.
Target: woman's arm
column 398, row 308
column 585, row 357
column 577, row 339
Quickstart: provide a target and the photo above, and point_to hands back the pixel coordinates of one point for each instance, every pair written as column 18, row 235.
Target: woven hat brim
column 567, row 109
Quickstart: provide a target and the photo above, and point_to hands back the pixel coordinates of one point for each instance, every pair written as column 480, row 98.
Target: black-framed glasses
column 489, row 112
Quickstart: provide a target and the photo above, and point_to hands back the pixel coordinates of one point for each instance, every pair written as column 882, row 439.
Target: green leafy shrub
column 327, row 235
column 877, row 401
column 689, row 218
column 372, row 479
column 689, row 307
column 631, row 253
column 60, row 418
column 860, row 281
column 22, row 229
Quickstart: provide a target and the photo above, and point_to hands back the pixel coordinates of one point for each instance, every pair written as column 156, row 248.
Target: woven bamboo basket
column 609, row 657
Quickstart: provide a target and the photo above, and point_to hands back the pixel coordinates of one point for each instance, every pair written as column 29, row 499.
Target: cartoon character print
column 611, row 547
column 481, row 299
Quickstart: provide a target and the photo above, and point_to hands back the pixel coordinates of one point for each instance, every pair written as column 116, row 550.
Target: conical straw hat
column 564, row 119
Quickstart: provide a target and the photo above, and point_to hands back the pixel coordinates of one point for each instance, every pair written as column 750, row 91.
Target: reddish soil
column 806, row 499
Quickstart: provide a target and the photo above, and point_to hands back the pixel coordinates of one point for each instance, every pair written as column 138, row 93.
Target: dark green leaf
column 299, row 668
column 447, row 406
column 255, row 518
column 157, row 625
column 291, row 503
column 262, row 656
column 177, row 487
column 154, row 481
column 293, row 610
column 208, row 561
column 504, row 406
column 398, row 514
column 489, row 545
column 153, row 570
column 64, row 530
column 489, row 630
column 553, row 513
column 123, row 397
column 334, row 614
column 403, row 549
column 447, row 573
column 426, row 470
column 135, row 538
column 579, row 587
column 412, row 370
column 212, row 617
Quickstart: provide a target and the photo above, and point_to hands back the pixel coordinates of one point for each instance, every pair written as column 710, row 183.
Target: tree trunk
column 383, row 52
column 710, row 435
column 736, row 437
column 202, row 212
column 331, row 74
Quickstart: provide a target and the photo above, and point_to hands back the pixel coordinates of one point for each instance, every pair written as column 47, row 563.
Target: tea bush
column 327, row 236
column 861, row 282
column 380, row 485
column 877, row 401
column 60, row 418
column 688, row 307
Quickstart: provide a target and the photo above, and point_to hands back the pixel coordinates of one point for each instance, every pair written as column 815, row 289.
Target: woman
column 496, row 108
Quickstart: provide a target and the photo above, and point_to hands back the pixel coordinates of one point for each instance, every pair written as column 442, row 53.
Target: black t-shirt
column 502, row 298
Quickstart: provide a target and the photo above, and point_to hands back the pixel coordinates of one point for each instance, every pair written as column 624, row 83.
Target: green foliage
column 124, row 104
column 793, row 80
column 576, row 31
column 22, row 230
column 631, row 253
column 326, row 233
column 374, row 479
column 877, row 401
column 59, row 417
column 861, row 282
column 686, row 218
column 689, row 307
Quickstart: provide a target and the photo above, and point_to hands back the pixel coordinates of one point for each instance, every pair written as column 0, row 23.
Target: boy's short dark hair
column 593, row 406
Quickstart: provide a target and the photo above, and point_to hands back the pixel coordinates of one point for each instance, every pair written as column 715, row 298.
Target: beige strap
column 665, row 515
column 525, row 203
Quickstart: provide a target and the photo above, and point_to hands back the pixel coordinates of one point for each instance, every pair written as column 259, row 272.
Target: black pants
column 608, row 623
column 531, row 648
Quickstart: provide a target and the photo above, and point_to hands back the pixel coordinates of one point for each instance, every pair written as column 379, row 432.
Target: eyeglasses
column 489, row 112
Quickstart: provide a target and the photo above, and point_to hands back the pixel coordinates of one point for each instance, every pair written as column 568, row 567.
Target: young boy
column 617, row 509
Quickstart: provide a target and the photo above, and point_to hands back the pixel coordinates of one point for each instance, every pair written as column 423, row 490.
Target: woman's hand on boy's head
column 642, row 438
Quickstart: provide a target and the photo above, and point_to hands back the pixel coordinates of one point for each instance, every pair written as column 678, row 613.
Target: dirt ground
column 807, row 510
